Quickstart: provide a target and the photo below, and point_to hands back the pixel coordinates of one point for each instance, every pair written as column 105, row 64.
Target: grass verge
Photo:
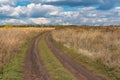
column 1, row 73
column 13, row 70
column 94, row 65
column 55, row 68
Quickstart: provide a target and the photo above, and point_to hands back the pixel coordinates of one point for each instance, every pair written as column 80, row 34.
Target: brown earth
column 34, row 66
column 79, row 71
column 35, row 70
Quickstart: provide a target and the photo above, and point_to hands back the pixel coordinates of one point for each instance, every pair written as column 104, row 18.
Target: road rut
column 35, row 69
column 79, row 71
column 34, row 66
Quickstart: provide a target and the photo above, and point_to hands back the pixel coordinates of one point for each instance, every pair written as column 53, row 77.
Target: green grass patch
column 94, row 65
column 1, row 70
column 55, row 68
column 14, row 69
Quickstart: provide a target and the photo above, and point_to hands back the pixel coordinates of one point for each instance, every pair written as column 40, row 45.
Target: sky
column 66, row 12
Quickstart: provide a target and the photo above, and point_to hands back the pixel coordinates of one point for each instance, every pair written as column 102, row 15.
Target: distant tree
column 8, row 26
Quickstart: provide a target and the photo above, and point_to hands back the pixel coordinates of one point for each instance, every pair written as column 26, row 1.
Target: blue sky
column 90, row 12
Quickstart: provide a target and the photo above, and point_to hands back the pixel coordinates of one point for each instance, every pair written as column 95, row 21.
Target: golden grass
column 11, row 39
column 96, row 43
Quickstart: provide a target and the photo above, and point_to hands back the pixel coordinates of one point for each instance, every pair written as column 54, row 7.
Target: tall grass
column 13, row 46
column 11, row 41
column 98, row 44
column 55, row 68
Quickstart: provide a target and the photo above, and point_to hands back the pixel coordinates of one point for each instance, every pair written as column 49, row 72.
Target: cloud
column 42, row 10
column 4, row 10
column 56, row 15
column 7, row 2
column 30, row 14
column 53, row 12
column 101, row 4
column 26, row 21
column 13, row 2
column 90, row 16
column 31, row 10
column 39, row 20
column 12, row 21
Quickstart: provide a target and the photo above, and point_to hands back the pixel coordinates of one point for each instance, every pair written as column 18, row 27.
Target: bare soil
column 34, row 67
column 79, row 71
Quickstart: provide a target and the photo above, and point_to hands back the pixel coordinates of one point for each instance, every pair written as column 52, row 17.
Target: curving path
column 34, row 66
column 79, row 71
column 35, row 70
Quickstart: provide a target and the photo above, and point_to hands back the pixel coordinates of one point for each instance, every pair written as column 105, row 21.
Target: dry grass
column 96, row 43
column 11, row 39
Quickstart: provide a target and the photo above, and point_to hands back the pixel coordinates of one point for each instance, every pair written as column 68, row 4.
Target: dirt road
column 35, row 69
column 79, row 71
column 34, row 66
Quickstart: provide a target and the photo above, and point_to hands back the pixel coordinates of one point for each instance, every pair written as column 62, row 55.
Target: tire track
column 34, row 67
column 79, row 71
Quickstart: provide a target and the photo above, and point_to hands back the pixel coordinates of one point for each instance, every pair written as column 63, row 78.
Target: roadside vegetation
column 98, row 48
column 55, row 68
column 13, row 46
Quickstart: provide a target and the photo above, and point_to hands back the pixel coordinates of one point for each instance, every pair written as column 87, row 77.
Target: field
column 57, row 71
column 61, row 53
column 12, row 40
column 100, row 45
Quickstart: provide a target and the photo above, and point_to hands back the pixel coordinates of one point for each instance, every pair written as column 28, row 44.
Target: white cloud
column 39, row 10
column 49, row 14
column 89, row 15
column 7, row 2
column 31, row 10
column 12, row 21
column 39, row 20
column 26, row 21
